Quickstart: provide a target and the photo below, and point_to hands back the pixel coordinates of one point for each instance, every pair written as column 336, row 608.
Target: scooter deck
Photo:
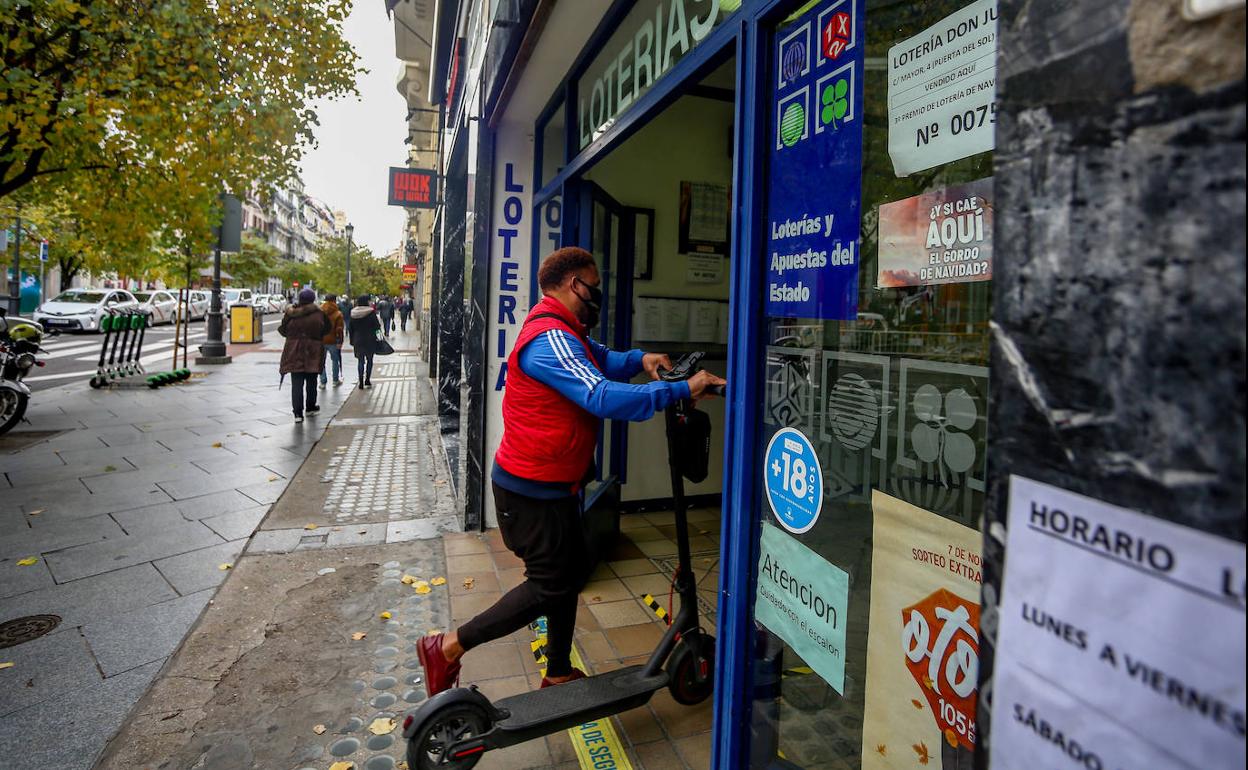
column 567, row 705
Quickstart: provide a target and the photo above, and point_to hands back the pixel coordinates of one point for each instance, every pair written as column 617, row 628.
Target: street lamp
column 350, row 232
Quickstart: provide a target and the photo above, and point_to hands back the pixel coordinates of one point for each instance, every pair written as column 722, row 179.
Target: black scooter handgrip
column 718, row 390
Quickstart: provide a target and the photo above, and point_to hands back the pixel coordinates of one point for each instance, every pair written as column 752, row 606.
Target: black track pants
column 548, row 536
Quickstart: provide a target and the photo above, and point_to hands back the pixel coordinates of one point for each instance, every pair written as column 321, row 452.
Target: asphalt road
column 72, row 357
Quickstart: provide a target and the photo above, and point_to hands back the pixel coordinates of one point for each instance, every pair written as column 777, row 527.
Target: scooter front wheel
column 12, row 408
column 691, row 670
column 429, row 744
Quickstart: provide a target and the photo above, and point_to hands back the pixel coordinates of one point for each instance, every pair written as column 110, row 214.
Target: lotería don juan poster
column 923, row 643
column 814, row 179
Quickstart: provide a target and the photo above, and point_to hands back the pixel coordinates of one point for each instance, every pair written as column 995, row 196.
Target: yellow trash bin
column 246, row 324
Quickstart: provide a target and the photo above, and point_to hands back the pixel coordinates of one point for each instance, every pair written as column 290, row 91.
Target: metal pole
column 15, row 286
column 42, row 263
column 213, row 349
column 348, row 265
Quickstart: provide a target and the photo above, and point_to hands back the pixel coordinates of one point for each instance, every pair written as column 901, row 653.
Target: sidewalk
column 130, row 502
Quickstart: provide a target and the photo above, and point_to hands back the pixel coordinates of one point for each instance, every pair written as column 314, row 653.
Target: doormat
column 704, row 562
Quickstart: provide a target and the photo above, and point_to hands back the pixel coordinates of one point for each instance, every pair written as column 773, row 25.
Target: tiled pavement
column 614, row 629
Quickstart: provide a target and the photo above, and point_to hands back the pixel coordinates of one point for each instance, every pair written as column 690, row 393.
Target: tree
column 130, row 90
column 254, row 264
column 369, row 274
column 294, row 271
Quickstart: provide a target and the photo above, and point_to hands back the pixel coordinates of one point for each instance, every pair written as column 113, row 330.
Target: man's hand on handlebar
column 653, row 363
column 703, row 384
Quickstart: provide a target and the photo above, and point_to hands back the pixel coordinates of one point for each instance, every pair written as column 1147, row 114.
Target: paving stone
column 141, row 636
column 16, row 580
column 146, row 456
column 198, row 570
column 53, row 536
column 59, row 505
column 357, row 534
column 148, row 519
column 275, row 541
column 420, row 529
column 156, row 474
column 43, row 668
column 205, row 483
column 108, row 555
column 84, row 601
column 36, row 458
column 265, row 493
column 76, row 723
column 237, row 524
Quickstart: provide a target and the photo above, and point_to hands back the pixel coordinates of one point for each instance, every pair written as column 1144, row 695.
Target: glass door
column 873, row 428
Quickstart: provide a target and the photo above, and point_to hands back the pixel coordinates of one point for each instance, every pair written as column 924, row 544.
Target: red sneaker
column 576, row 674
column 440, row 673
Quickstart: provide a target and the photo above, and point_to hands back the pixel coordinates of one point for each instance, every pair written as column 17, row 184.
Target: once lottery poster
column 943, row 236
column 923, row 644
column 814, row 178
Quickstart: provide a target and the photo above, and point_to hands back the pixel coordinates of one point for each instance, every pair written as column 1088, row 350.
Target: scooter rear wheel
column 446, row 727
column 689, row 682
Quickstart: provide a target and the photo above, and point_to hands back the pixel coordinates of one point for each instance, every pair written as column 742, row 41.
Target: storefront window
column 874, row 427
column 554, row 133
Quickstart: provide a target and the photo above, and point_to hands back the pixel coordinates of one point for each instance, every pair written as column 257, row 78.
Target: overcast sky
column 358, row 139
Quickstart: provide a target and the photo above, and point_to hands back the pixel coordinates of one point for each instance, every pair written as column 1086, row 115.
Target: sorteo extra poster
column 943, row 236
column 923, row 644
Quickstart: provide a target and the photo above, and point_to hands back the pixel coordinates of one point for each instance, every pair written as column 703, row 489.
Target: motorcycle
column 19, row 342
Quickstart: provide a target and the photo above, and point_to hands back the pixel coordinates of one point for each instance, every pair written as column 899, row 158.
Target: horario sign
column 413, row 188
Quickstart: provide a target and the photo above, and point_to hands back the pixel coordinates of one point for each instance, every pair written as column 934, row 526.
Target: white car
column 232, row 297
column 198, row 306
column 260, row 302
column 81, row 309
column 277, row 302
column 161, row 304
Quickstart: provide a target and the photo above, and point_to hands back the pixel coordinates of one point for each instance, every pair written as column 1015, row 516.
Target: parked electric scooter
column 455, row 727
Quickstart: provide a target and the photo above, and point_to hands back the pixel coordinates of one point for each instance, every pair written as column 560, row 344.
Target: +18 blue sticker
column 794, row 480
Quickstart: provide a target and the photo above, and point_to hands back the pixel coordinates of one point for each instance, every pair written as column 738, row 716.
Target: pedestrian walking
column 365, row 332
column 304, row 326
column 344, row 307
column 385, row 310
column 560, row 387
column 332, row 341
column 405, row 312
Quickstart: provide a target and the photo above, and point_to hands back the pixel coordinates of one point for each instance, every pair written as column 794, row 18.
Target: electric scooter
column 455, row 727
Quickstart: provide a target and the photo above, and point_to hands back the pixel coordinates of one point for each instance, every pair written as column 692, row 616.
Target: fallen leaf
column 882, row 750
column 216, row 445
column 438, row 581
column 110, row 468
column 421, row 587
column 29, row 560
column 951, row 737
column 928, row 683
column 319, row 729
column 922, row 751
column 358, row 635
column 224, row 566
column 918, row 704
column 5, row 665
column 37, row 511
column 342, row 766
column 468, row 582
column 273, row 478
column 385, row 615
column 407, row 580
column 362, row 532
column 382, row 726
column 309, row 526
column 402, row 765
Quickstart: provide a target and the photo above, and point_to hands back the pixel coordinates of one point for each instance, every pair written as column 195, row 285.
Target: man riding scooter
column 560, row 386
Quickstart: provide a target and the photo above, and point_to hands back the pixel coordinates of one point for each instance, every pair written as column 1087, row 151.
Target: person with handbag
column 366, row 337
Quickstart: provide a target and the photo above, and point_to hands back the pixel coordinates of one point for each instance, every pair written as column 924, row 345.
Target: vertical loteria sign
column 814, row 180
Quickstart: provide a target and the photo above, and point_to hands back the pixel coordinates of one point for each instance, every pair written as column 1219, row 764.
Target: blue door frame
column 744, row 35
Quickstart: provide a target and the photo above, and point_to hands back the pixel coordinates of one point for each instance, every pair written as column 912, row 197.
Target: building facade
column 974, row 270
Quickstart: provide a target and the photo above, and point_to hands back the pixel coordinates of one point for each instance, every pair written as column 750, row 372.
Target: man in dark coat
column 304, row 326
column 405, row 312
column 365, row 330
column 385, row 310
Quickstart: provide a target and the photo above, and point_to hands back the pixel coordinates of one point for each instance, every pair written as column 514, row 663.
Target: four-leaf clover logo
column 835, row 103
column 940, row 438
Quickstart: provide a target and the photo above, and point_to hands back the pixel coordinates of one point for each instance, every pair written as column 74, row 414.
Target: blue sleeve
column 618, row 366
column 557, row 359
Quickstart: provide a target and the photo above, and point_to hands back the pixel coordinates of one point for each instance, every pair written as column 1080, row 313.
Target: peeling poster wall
column 1118, row 331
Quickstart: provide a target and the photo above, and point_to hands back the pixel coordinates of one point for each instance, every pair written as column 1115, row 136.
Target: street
column 72, row 357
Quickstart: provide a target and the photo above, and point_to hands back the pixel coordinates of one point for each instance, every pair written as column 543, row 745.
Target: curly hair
column 559, row 263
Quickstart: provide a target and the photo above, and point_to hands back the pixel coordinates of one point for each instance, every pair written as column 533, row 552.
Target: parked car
column 161, row 304
column 260, row 302
column 277, row 302
column 81, row 309
column 232, row 297
column 199, row 304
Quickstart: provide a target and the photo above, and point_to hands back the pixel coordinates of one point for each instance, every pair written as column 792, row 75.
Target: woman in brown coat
column 304, row 326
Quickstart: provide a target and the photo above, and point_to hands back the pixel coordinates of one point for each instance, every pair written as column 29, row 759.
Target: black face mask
column 593, row 304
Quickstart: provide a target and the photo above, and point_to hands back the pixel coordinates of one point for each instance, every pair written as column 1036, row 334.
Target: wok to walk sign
column 413, row 188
